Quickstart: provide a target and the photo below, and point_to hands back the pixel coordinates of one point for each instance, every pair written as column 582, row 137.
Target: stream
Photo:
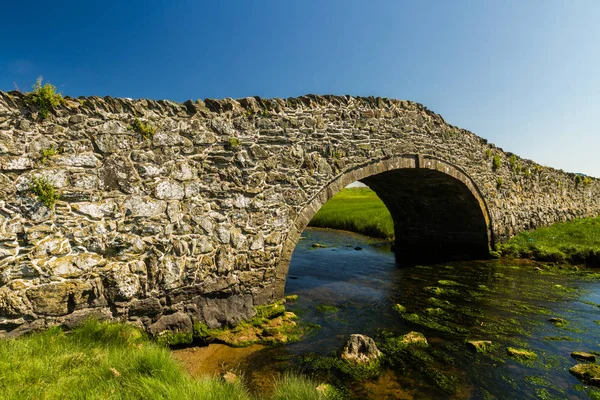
column 349, row 283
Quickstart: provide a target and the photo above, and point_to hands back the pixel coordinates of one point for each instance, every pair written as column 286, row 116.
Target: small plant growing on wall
column 44, row 191
column 499, row 183
column 581, row 180
column 514, row 164
column 496, row 162
column 48, row 153
column 488, row 153
column 145, row 129
column 45, row 98
column 232, row 144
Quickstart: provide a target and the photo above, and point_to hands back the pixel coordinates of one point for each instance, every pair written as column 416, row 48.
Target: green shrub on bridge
column 45, row 98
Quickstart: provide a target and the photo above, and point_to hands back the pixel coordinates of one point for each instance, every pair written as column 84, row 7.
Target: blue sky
column 524, row 74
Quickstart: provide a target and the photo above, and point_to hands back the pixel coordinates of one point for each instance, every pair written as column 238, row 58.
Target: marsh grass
column 294, row 387
column 576, row 242
column 106, row 361
column 356, row 210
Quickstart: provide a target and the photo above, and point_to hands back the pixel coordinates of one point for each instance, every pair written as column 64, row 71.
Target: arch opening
column 436, row 217
column 437, row 210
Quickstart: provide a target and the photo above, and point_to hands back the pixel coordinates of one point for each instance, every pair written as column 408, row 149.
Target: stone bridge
column 192, row 215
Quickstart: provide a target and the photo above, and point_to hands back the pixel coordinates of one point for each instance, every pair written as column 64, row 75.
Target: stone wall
column 198, row 222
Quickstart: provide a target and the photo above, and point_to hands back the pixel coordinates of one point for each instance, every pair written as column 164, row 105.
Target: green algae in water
column 447, row 282
column 432, row 324
column 558, row 322
column 507, row 307
column 441, row 291
column 327, row 309
column 440, row 303
column 435, row 311
column 560, row 339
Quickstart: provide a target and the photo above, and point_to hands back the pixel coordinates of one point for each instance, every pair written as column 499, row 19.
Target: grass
column 576, row 242
column 357, row 210
column 294, row 387
column 115, row 361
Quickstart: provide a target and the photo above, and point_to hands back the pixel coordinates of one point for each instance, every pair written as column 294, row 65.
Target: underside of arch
column 438, row 212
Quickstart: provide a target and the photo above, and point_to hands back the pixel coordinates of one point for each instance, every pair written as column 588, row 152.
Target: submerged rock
column 399, row 308
column 415, row 338
column 558, row 321
column 479, row 346
column 588, row 373
column 360, row 349
column 521, row 354
column 582, row 355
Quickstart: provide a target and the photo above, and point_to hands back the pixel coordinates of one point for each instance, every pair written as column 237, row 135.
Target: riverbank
column 356, row 210
column 117, row 361
column 574, row 242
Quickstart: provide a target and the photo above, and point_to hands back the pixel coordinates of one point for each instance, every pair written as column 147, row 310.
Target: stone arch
column 430, row 174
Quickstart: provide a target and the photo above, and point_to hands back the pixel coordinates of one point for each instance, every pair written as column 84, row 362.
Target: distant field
column 576, row 242
column 357, row 210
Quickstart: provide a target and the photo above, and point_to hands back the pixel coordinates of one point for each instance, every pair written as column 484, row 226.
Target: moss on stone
column 559, row 322
column 143, row 128
column 168, row 338
column 479, row 346
column 521, row 354
column 399, row 308
column 587, row 373
column 271, row 325
column 291, row 297
column 44, row 190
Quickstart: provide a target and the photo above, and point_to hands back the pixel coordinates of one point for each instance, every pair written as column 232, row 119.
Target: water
column 352, row 284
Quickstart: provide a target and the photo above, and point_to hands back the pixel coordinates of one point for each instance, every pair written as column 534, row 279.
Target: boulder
column 583, row 356
column 360, row 349
column 479, row 346
column 587, row 373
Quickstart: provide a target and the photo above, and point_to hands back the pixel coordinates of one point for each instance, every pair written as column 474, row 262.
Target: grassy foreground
column 115, row 361
column 576, row 242
column 357, row 210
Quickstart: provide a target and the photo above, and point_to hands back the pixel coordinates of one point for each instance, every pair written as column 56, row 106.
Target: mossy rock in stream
column 399, row 308
column 479, row 346
column 587, row 373
column 559, row 322
column 521, row 355
column 272, row 324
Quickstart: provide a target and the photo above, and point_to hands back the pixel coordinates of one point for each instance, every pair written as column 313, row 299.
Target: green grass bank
column 356, row 210
column 117, row 361
column 575, row 242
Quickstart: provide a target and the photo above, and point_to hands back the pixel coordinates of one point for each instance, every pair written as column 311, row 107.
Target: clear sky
column 525, row 74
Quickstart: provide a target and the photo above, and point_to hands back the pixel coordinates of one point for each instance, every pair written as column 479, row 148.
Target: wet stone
column 479, row 346
column 587, row 373
column 360, row 349
column 583, row 356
